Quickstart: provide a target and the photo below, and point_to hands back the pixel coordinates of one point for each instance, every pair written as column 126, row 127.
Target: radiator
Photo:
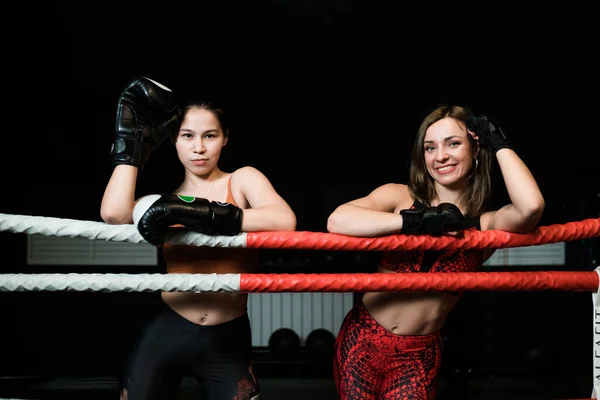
column 301, row 312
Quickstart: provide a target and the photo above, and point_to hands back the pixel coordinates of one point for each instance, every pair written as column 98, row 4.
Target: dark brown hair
column 210, row 107
column 421, row 184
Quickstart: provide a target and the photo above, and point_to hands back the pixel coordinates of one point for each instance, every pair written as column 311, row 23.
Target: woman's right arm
column 147, row 113
column 119, row 196
column 376, row 214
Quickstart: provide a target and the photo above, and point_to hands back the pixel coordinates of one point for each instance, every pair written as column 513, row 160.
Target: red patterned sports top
column 433, row 260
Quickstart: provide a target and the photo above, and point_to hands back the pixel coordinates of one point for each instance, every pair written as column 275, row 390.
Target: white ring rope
column 49, row 226
column 120, row 282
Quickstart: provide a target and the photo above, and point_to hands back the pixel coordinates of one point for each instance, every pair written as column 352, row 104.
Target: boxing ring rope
column 453, row 281
column 314, row 282
column 48, row 226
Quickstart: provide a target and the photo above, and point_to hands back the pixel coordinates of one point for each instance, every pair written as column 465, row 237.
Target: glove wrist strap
column 412, row 221
column 498, row 140
column 127, row 151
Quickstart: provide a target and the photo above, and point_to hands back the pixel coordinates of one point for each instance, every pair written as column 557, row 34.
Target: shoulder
column 392, row 191
column 392, row 188
column 249, row 179
column 246, row 172
column 244, row 175
column 390, row 197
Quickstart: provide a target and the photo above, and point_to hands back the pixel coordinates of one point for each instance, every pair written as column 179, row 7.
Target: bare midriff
column 208, row 308
column 409, row 313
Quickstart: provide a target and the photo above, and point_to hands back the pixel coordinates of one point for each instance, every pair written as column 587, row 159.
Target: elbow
column 341, row 221
column 111, row 218
column 282, row 221
column 536, row 210
column 289, row 223
column 106, row 216
column 333, row 223
column 533, row 214
column 116, row 212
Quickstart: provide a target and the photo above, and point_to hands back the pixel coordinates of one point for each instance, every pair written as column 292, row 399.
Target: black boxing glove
column 446, row 217
column 490, row 134
column 147, row 113
column 155, row 214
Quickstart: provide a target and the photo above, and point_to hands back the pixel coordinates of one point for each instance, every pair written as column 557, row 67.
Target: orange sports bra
column 204, row 259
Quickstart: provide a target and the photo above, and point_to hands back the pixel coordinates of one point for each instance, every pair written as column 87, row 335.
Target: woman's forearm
column 119, row 196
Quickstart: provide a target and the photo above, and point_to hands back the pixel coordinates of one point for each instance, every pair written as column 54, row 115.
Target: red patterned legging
column 372, row 363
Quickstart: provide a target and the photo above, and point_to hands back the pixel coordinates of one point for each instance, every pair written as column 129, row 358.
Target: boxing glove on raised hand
column 147, row 113
column 445, row 217
column 491, row 136
column 153, row 215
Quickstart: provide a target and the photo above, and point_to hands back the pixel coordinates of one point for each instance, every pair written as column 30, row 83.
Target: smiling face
column 448, row 153
column 200, row 141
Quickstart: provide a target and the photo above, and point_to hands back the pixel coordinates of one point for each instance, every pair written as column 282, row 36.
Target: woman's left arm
column 267, row 211
column 527, row 203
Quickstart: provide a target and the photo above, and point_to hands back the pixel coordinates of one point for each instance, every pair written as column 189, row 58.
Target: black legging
column 218, row 356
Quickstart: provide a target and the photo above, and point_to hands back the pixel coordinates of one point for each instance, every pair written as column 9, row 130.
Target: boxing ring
column 588, row 281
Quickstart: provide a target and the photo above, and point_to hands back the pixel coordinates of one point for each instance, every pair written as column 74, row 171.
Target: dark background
column 325, row 98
